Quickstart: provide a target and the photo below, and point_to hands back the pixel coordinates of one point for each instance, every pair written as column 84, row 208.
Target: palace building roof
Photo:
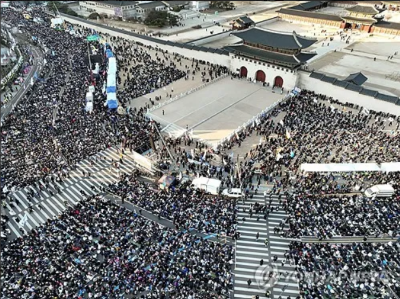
column 274, row 39
column 361, row 9
column 356, row 78
column 308, row 5
column 290, row 61
column 309, row 14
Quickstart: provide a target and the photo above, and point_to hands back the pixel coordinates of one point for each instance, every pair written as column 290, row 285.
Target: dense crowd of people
column 50, row 128
column 329, row 216
column 355, row 270
column 312, row 132
column 187, row 208
column 98, row 249
column 143, row 74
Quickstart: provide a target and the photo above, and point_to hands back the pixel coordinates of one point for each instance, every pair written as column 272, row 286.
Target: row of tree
column 224, row 5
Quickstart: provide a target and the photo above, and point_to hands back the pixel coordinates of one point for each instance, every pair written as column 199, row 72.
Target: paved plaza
column 215, row 111
column 360, row 57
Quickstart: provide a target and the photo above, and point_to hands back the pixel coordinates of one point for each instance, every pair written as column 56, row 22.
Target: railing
column 10, row 74
column 384, row 238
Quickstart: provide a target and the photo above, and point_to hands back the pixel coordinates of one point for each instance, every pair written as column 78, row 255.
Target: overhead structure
column 356, row 78
column 350, row 167
column 277, row 48
column 111, row 87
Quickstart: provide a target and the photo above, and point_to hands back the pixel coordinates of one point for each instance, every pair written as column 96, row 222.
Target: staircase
column 173, row 130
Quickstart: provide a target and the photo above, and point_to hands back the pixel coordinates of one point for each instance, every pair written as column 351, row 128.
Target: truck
column 209, row 185
column 379, row 191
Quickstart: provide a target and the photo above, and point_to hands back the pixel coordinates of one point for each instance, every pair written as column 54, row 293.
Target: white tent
column 390, row 167
column 349, row 167
column 56, row 21
column 111, row 96
column 111, row 80
column 206, row 181
column 96, row 68
column 112, row 65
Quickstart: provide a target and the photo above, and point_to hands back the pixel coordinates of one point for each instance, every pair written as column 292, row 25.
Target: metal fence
column 255, row 120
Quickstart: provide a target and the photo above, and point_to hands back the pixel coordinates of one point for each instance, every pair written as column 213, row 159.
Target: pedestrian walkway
column 49, row 206
column 250, row 251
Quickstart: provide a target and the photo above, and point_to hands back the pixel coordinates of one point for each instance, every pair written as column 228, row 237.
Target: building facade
column 199, row 5
column 269, row 56
column 360, row 17
column 123, row 9
column 365, row 18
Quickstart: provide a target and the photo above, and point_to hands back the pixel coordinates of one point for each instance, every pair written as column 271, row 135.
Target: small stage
column 217, row 110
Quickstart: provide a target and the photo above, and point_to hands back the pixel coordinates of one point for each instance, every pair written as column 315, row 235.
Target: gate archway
column 260, row 76
column 243, row 72
column 278, row 81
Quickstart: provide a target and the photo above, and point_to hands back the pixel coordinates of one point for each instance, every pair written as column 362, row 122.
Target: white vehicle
column 209, row 185
column 89, row 102
column 233, row 192
column 379, row 191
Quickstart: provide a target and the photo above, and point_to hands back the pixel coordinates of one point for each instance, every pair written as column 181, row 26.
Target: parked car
column 233, row 192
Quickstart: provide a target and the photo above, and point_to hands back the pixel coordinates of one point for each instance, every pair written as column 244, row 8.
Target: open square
column 215, row 111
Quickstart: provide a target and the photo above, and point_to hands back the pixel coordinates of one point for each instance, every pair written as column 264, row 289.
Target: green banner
column 92, row 38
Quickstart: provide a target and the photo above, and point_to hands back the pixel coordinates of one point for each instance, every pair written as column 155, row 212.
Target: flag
column 287, row 134
column 92, row 38
column 205, row 155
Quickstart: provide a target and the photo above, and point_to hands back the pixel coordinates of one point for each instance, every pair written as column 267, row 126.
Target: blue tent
column 111, row 89
column 112, row 104
column 109, row 53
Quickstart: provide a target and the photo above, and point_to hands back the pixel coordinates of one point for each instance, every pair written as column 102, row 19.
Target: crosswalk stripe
column 53, row 205
column 249, row 252
column 30, row 217
column 49, row 201
column 14, row 230
column 75, row 194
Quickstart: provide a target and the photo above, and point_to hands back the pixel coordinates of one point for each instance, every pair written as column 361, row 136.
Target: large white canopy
column 350, row 167
column 111, row 80
column 111, row 96
column 206, row 181
column 112, row 65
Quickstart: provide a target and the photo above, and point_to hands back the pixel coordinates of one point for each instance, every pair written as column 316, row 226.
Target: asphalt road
column 37, row 65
